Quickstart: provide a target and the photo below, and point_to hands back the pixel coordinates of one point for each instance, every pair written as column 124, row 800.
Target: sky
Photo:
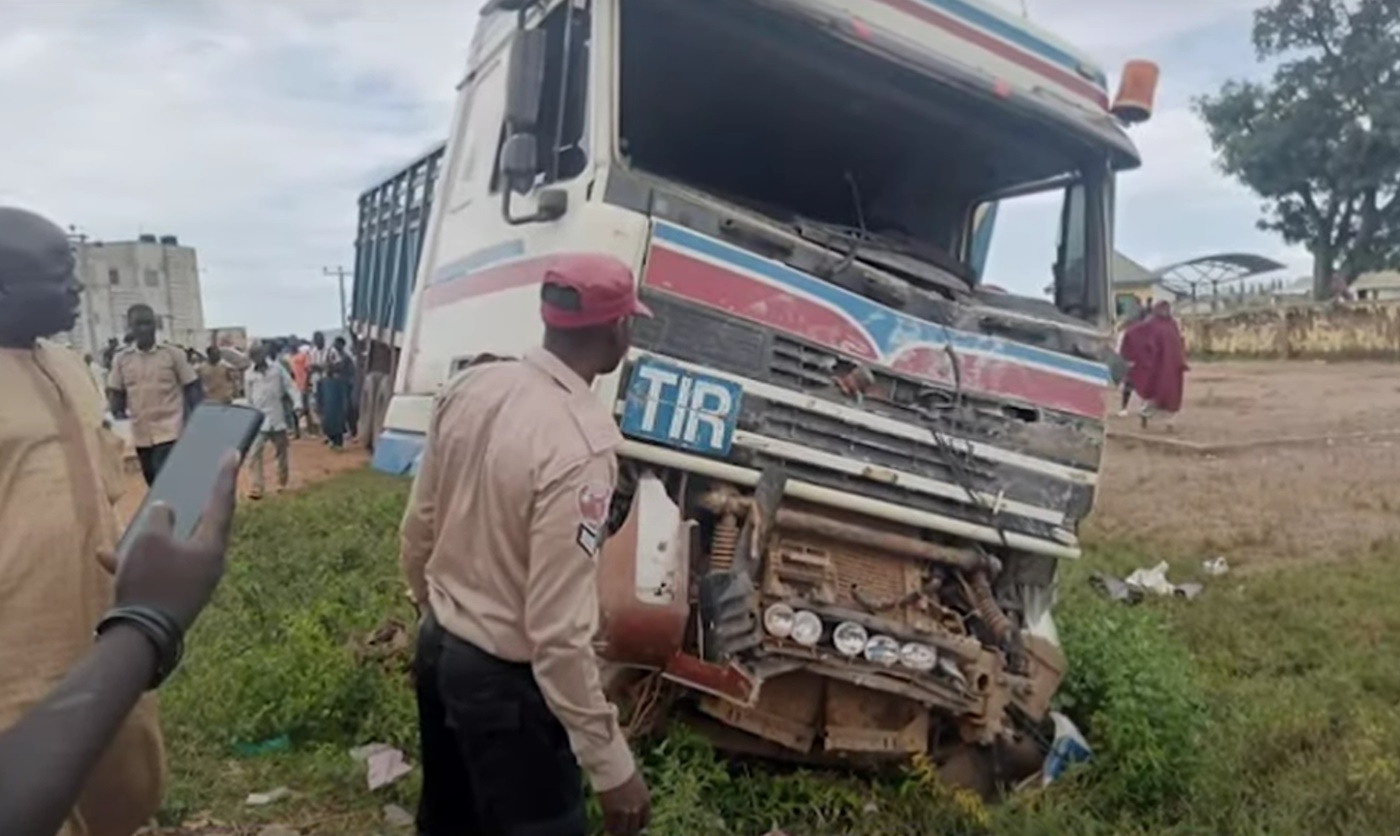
column 1177, row 206
column 249, row 127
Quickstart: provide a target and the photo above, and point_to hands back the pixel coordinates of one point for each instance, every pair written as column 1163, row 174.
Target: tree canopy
column 1319, row 141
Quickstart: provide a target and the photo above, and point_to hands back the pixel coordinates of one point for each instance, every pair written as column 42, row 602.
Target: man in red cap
column 499, row 542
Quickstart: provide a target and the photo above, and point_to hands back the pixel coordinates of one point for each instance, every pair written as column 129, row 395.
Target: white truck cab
column 850, row 465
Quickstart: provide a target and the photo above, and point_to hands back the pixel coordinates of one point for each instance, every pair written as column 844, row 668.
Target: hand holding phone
column 178, row 577
column 190, row 476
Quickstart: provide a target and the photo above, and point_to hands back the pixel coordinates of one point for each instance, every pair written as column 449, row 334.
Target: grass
column 1265, row 707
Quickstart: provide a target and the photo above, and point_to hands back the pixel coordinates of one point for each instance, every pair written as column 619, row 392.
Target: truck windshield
column 770, row 111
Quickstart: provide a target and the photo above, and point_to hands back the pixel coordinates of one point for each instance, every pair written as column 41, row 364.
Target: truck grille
column 704, row 338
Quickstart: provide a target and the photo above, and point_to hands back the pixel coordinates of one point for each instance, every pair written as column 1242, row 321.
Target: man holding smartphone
column 499, row 545
column 60, row 474
column 155, row 385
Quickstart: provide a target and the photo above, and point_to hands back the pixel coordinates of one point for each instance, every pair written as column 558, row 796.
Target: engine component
column 728, row 615
column 987, row 607
column 726, row 502
column 723, row 543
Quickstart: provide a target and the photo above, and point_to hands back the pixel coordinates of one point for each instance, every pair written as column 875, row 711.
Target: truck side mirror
column 520, row 161
column 519, row 168
column 552, row 204
column 525, row 80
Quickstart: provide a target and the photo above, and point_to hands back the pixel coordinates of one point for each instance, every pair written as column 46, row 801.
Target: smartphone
column 187, row 478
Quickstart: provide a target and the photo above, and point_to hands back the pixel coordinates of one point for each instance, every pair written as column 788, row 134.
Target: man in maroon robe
column 1157, row 353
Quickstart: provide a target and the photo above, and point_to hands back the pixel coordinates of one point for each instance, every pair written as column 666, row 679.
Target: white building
column 159, row 272
column 1382, row 286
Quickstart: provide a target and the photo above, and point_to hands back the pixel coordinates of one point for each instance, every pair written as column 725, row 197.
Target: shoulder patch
column 594, row 499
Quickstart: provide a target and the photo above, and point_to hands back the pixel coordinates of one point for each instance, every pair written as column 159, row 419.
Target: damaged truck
column 851, row 467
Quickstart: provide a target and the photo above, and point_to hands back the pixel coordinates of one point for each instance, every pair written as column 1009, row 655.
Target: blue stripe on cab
column 889, row 329
column 1010, row 32
column 479, row 260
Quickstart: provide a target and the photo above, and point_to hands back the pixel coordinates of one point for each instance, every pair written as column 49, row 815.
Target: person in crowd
column 316, row 363
column 60, row 475
column 294, row 404
column 499, row 543
column 1129, row 346
column 333, row 393
column 269, row 386
column 99, row 374
column 50, row 758
column 218, row 377
column 356, row 353
column 154, row 384
column 301, row 374
column 378, row 389
column 113, row 346
column 1158, row 373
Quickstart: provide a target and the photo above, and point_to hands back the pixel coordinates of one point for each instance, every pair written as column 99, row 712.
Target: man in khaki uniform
column 499, row 547
column 218, row 378
column 60, row 473
column 155, row 385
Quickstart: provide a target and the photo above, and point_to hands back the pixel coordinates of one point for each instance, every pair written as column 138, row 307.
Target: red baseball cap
column 603, row 292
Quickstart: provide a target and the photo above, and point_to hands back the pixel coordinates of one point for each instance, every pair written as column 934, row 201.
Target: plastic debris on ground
column 1068, row 748
column 1115, row 589
column 1143, row 582
column 263, row 747
column 262, row 799
column 383, row 764
column 396, row 816
column 1152, row 580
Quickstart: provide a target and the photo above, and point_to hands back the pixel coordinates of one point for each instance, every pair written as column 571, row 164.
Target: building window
column 113, row 277
column 152, row 277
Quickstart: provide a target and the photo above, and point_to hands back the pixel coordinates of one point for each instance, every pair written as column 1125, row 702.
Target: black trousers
column 496, row 762
column 153, row 459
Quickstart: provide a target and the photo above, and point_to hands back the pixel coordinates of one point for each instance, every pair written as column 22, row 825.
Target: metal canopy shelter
column 1214, row 270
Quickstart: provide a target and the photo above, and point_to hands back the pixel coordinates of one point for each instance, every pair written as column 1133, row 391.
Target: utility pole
column 339, row 273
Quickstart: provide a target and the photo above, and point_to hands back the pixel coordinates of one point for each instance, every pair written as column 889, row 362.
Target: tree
column 1320, row 140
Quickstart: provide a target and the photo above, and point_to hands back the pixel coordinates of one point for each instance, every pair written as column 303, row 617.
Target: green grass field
column 1269, row 706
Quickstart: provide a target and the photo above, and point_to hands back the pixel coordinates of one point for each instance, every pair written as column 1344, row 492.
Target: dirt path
column 311, row 462
column 1328, row 493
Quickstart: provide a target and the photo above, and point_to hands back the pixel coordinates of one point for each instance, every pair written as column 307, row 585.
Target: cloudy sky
column 248, row 128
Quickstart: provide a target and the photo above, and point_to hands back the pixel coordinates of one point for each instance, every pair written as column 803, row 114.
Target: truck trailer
column 851, row 467
column 393, row 215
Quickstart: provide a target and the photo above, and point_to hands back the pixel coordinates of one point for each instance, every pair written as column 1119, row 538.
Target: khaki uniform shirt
column 60, row 473
column 503, row 530
column 154, row 382
column 220, row 381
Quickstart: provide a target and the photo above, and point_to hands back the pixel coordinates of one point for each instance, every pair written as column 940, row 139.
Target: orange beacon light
column 1137, row 90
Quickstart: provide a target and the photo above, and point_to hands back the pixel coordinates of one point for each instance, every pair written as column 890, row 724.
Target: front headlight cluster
column 849, row 638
